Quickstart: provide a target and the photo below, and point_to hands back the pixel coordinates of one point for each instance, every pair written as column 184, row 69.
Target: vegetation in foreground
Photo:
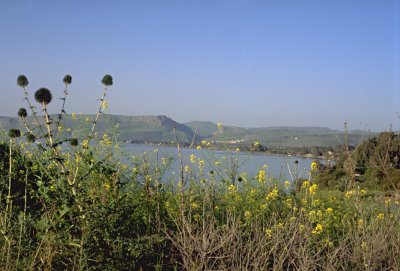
column 74, row 202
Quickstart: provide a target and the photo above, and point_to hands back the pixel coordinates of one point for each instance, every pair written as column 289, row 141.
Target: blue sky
column 244, row 63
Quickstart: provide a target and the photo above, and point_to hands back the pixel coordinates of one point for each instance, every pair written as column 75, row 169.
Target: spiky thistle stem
column 102, row 99
column 47, row 119
column 32, row 108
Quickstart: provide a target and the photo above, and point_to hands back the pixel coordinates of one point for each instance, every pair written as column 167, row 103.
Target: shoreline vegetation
column 70, row 202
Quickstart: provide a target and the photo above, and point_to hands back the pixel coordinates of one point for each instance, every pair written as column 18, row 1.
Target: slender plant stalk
column 9, row 204
column 32, row 109
column 62, row 107
column 47, row 119
column 23, row 223
column 98, row 112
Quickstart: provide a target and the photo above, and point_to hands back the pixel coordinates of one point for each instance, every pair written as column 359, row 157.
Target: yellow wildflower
column 104, row 105
column 198, row 147
column 192, row 158
column 287, row 184
column 73, row 116
column 329, row 210
column 187, row 168
column 273, row 194
column 318, row 229
column 289, row 202
column 380, row 216
column 305, row 184
column 106, row 186
column 349, row 194
column 314, row 166
column 219, row 125
column 360, row 223
column 247, row 215
column 261, row 176
column 313, row 189
column 231, row 189
column 268, row 233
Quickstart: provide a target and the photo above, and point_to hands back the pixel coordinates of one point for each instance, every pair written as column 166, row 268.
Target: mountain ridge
column 161, row 128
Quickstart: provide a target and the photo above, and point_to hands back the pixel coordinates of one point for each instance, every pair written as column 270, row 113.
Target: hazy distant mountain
column 279, row 136
column 161, row 129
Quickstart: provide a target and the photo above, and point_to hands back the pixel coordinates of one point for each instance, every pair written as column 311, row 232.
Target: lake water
column 279, row 166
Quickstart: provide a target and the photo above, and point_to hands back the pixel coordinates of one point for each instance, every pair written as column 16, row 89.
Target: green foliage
column 14, row 133
column 376, row 163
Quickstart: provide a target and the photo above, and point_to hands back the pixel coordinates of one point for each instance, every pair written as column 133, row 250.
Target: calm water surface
column 279, row 166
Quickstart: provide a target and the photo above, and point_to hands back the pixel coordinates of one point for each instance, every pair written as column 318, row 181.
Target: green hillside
column 161, row 129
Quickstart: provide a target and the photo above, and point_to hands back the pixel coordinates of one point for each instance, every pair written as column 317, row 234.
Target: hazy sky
column 245, row 63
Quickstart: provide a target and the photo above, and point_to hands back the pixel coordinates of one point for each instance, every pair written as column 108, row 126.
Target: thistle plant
column 23, row 82
column 107, row 81
column 67, row 80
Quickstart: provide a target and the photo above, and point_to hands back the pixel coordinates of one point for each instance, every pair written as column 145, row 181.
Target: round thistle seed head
column 296, row 162
column 22, row 113
column 67, row 79
column 31, row 138
column 240, row 179
column 43, row 96
column 107, row 80
column 22, row 81
column 73, row 142
column 13, row 133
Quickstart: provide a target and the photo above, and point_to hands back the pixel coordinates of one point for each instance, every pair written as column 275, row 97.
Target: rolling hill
column 161, row 129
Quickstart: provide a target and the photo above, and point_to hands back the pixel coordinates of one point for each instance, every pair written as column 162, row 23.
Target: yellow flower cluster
column 305, row 184
column 314, row 166
column 313, row 189
column 106, row 140
column 261, row 176
column 206, row 143
column 318, row 229
column 273, row 194
column 187, row 168
column 349, row 194
column 247, row 215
